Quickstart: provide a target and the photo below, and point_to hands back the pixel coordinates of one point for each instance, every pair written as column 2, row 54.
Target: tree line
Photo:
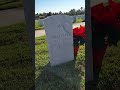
column 71, row 13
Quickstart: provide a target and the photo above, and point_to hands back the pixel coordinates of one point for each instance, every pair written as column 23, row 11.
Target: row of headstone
column 73, row 19
column 78, row 16
column 81, row 16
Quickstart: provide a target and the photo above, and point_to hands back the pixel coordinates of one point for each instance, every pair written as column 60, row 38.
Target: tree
column 72, row 12
column 49, row 14
column 81, row 8
column 78, row 12
column 60, row 12
column 36, row 16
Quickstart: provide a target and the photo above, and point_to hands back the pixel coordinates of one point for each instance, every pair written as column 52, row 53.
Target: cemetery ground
column 11, row 16
column 69, row 76
column 37, row 27
column 42, row 31
column 8, row 4
column 109, row 77
column 15, row 59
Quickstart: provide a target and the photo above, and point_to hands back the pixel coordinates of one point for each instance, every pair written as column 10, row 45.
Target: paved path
column 42, row 32
column 11, row 16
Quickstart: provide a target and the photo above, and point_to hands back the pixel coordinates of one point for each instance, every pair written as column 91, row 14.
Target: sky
column 57, row 5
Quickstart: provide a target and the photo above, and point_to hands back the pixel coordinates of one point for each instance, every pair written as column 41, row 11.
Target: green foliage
column 117, row 1
column 15, row 59
column 109, row 78
column 37, row 27
column 78, row 20
column 69, row 76
column 72, row 12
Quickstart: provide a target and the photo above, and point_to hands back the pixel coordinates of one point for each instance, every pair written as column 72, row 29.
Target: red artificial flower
column 96, row 12
column 76, row 50
column 116, row 10
column 104, row 15
column 109, row 15
column 79, row 32
column 98, row 55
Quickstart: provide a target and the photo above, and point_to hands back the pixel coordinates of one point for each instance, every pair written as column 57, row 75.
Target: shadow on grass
column 60, row 77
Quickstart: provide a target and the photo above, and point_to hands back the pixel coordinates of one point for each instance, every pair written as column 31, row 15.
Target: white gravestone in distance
column 71, row 18
column 74, row 18
column 83, row 17
column 59, row 37
column 41, row 22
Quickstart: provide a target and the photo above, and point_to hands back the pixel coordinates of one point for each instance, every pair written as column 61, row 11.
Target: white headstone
column 41, row 22
column 83, row 17
column 74, row 18
column 71, row 18
column 59, row 36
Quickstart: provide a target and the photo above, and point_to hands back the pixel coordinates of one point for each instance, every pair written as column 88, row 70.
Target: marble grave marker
column 59, row 36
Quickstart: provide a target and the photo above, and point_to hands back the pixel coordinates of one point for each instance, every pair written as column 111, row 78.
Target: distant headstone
column 41, row 22
column 78, row 16
column 73, row 19
column 83, row 17
column 59, row 36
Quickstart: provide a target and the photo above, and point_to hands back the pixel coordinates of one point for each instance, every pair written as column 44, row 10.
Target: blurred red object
column 76, row 50
column 98, row 55
column 102, row 18
column 79, row 32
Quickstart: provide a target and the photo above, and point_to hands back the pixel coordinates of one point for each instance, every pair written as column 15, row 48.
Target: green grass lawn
column 8, row 4
column 37, row 27
column 69, row 76
column 109, row 77
column 15, row 61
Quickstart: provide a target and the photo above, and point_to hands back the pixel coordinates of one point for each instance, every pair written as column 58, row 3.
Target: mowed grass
column 69, row 76
column 37, row 27
column 109, row 77
column 15, row 59
column 8, row 4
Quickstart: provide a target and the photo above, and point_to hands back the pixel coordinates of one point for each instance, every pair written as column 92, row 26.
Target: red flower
column 109, row 15
column 79, row 32
column 96, row 12
column 102, row 17
column 98, row 55
column 76, row 51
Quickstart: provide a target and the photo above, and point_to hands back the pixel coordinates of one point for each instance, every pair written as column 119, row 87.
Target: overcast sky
column 57, row 5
